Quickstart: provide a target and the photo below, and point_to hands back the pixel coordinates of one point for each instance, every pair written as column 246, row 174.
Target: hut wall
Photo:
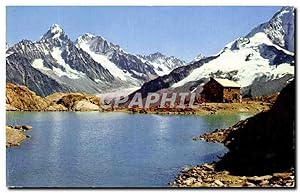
column 213, row 92
column 231, row 94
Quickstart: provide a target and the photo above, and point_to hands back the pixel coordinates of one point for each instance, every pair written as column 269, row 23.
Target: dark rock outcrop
column 265, row 143
column 261, row 151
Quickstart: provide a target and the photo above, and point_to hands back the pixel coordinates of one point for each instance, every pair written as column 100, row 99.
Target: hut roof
column 227, row 83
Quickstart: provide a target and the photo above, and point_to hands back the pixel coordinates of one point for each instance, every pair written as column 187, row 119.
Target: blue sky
column 183, row 32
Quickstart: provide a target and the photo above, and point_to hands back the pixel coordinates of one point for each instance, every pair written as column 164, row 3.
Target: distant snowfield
column 159, row 66
column 105, row 63
column 117, row 93
column 164, row 69
column 235, row 60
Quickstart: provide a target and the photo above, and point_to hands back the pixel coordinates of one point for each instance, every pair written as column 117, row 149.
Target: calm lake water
column 93, row 149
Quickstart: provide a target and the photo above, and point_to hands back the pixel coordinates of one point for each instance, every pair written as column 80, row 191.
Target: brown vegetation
column 20, row 97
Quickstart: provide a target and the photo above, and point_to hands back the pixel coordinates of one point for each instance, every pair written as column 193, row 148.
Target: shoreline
column 206, row 175
column 205, row 109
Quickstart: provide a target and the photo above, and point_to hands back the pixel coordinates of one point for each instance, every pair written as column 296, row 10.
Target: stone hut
column 221, row 90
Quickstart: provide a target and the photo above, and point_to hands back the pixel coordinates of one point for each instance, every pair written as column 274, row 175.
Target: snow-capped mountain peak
column 285, row 10
column 264, row 55
column 86, row 37
column 280, row 29
column 55, row 32
column 162, row 64
column 98, row 44
column 55, row 28
column 197, row 58
column 156, row 55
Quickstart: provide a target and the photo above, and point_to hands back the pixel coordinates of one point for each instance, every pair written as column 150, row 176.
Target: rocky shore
column 261, row 151
column 206, row 176
column 220, row 135
column 16, row 135
column 203, row 109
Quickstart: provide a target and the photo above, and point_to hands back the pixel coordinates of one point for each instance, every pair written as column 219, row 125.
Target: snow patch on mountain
column 260, row 38
column 39, row 65
column 101, row 59
column 159, row 68
column 69, row 72
column 97, row 80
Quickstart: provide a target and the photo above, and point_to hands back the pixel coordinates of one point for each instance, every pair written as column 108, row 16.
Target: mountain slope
column 90, row 64
column 124, row 65
column 118, row 61
column 256, row 59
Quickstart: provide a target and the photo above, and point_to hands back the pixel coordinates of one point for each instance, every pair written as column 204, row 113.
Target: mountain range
column 262, row 62
column 90, row 64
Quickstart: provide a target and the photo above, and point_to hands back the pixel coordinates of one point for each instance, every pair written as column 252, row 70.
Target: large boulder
column 78, row 101
column 85, row 106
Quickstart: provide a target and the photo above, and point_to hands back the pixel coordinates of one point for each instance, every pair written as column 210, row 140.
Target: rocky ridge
column 90, row 64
